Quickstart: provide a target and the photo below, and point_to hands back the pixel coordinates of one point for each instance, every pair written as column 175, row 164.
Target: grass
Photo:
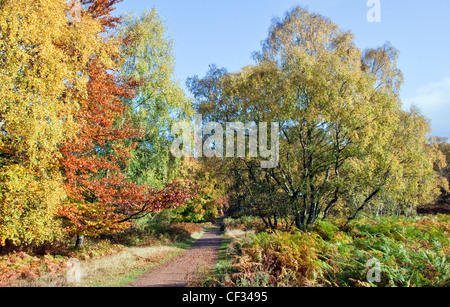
column 125, row 267
column 114, row 270
column 101, row 264
column 224, row 266
column 188, row 243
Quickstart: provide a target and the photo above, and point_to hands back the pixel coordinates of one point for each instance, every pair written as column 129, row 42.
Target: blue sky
column 227, row 32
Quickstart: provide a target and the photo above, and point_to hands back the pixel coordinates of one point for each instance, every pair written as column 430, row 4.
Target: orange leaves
column 66, row 135
column 100, row 197
column 95, row 178
column 101, row 10
column 43, row 77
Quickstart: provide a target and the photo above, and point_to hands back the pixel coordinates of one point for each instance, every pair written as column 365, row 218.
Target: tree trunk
column 312, row 215
column 366, row 201
column 331, row 204
column 80, row 241
column 265, row 222
column 270, row 223
column 300, row 219
column 8, row 247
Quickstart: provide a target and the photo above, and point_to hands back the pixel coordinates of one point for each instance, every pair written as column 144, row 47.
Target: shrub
column 245, row 223
column 281, row 259
column 411, row 252
column 17, row 266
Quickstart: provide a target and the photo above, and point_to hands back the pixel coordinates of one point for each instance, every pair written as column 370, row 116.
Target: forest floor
column 185, row 268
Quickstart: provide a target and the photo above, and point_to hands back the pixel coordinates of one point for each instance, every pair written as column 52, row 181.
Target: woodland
column 87, row 105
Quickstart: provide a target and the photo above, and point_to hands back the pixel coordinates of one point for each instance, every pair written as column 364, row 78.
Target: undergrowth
column 47, row 265
column 412, row 252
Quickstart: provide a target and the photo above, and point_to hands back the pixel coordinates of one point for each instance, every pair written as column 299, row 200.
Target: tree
column 340, row 119
column 443, row 145
column 43, row 75
column 159, row 101
column 210, row 201
column 101, row 198
column 400, row 174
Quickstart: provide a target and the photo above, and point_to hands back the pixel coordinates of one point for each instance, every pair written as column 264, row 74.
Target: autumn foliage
column 100, row 198
column 94, row 178
column 67, row 134
column 38, row 80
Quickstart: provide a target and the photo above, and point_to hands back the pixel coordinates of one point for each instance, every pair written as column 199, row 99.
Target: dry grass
column 235, row 233
column 98, row 264
column 109, row 271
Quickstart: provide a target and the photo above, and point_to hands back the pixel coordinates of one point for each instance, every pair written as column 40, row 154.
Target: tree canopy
column 88, row 100
column 345, row 142
column 69, row 130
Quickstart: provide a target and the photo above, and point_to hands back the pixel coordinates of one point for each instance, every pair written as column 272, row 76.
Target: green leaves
column 159, row 100
column 411, row 253
column 345, row 145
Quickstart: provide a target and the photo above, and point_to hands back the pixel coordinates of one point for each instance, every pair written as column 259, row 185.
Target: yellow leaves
column 148, row 57
column 35, row 71
column 44, row 76
column 29, row 201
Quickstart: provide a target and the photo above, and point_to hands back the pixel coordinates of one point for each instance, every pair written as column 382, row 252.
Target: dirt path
column 202, row 255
